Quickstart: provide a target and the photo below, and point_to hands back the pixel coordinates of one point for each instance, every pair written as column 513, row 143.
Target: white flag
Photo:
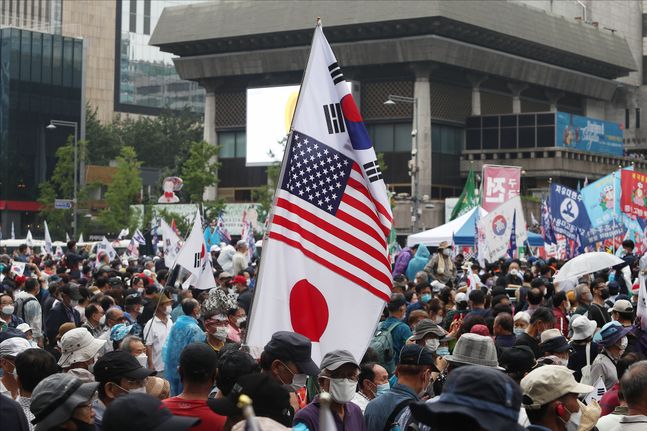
column 641, row 306
column 107, row 248
column 59, row 252
column 18, row 268
column 533, row 220
column 139, row 237
column 123, row 233
column 495, row 228
column 325, row 267
column 29, row 240
column 172, row 243
column 13, row 232
column 81, row 238
column 48, row 239
column 205, row 280
column 67, row 237
column 192, row 253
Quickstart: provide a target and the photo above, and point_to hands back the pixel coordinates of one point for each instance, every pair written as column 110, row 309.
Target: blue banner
column 588, row 134
column 602, row 233
column 602, row 199
column 568, row 212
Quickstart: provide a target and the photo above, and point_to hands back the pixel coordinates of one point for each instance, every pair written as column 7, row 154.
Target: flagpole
column 277, row 186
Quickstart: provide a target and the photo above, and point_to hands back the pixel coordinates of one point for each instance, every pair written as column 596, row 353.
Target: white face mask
column 573, row 423
column 519, row 331
column 168, row 310
column 447, row 252
column 240, row 321
column 73, row 303
column 624, row 342
column 342, row 390
column 140, row 290
column 220, row 333
column 102, row 321
column 141, row 390
column 432, row 344
column 142, row 359
column 7, row 310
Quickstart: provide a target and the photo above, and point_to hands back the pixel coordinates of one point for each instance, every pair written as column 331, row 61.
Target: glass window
column 403, row 138
column 78, row 63
column 36, row 56
column 147, row 16
column 46, row 77
column 68, row 56
column 383, row 138
column 227, row 143
column 132, row 26
column 241, row 145
column 15, row 53
column 57, row 61
column 25, row 56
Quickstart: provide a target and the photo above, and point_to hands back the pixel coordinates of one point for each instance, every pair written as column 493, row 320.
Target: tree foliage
column 122, row 192
column 199, row 170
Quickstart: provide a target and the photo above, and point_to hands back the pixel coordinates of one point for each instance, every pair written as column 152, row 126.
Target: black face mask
column 604, row 293
column 83, row 426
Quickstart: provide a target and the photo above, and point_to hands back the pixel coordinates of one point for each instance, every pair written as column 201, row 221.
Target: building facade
column 467, row 64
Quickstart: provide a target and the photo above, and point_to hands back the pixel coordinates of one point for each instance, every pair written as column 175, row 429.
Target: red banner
column 500, row 184
column 634, row 193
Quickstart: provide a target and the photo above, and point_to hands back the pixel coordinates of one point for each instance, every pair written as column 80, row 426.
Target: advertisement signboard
column 588, row 134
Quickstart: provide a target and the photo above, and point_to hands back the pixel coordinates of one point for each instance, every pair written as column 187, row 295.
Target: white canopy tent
column 445, row 232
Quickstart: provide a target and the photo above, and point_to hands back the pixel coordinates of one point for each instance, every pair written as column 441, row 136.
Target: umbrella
column 586, row 263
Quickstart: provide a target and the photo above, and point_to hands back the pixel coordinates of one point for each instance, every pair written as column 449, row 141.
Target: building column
column 422, row 124
column 553, row 98
column 476, row 81
column 209, row 133
column 516, row 88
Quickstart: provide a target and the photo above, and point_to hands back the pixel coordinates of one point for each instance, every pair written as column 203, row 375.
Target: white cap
column 522, row 316
column 461, row 297
column 78, row 345
column 24, row 327
column 214, row 248
column 14, row 346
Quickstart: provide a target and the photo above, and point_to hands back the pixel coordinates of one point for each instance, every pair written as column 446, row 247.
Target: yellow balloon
column 290, row 106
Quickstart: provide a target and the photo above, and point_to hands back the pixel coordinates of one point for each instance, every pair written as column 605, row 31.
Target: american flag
column 546, row 223
column 222, row 229
column 325, row 210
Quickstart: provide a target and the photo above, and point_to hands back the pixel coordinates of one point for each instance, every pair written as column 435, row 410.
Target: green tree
column 103, row 140
column 199, row 170
column 122, row 192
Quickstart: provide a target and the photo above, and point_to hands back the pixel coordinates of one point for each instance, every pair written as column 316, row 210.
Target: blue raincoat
column 185, row 330
column 418, row 262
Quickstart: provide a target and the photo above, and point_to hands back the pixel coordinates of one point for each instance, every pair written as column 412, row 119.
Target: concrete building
column 468, row 64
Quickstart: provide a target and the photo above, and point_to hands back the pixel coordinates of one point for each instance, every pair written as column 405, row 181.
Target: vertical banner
column 495, row 230
column 568, row 212
column 634, row 193
column 500, row 184
column 602, row 199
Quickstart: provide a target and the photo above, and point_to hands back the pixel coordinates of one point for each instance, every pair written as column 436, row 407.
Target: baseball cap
column 611, row 333
column 142, row 412
column 548, row 383
column 71, row 290
column 78, row 345
column 552, row 340
column 425, row 327
column 54, row 399
column 120, row 364
column 487, row 396
column 518, row 359
column 623, row 306
column 214, row 248
column 12, row 347
column 239, row 279
column 120, row 331
column 335, row 359
column 11, row 333
column 414, row 354
column 293, row 347
column 474, row 349
column 461, row 297
column 269, row 398
column 583, row 328
column 23, row 327
column 224, row 275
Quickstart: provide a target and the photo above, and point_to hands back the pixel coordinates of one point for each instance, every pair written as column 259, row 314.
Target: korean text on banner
column 325, row 265
column 634, row 193
column 568, row 212
column 500, row 184
column 602, row 199
column 495, row 230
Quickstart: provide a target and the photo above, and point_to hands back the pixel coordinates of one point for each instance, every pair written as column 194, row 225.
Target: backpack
column 382, row 344
column 19, row 310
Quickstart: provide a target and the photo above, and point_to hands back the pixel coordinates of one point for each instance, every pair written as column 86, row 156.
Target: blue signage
column 568, row 212
column 588, row 134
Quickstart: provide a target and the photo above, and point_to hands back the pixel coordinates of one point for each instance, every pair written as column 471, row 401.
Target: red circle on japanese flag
column 308, row 310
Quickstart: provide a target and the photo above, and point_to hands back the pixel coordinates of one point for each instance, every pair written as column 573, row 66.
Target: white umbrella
column 586, row 263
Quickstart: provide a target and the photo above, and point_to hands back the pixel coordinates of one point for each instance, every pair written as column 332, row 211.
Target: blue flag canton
column 316, row 173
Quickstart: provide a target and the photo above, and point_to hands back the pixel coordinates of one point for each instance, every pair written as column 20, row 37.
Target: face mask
column 240, row 321
column 573, row 423
column 382, row 389
column 73, row 303
column 168, row 310
column 142, row 359
column 140, row 290
column 513, row 272
column 7, row 309
column 447, row 252
column 438, row 320
column 298, row 380
column 604, row 293
column 102, row 321
column 442, row 351
column 141, row 390
column 425, row 298
column 519, row 331
column 432, row 344
column 623, row 344
column 342, row 390
column 220, row 333
column 91, row 368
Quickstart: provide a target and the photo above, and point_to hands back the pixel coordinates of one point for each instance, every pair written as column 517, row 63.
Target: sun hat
column 552, row 340
column 583, row 328
column 12, row 347
column 548, row 383
column 611, row 333
column 474, row 349
column 78, row 345
column 425, row 327
column 487, row 396
column 54, row 399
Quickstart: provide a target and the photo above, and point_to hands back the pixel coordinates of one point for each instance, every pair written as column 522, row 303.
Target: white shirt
column 155, row 333
column 361, row 400
column 609, row 422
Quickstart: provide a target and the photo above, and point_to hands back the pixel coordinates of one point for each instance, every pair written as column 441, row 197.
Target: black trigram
column 335, row 73
column 373, row 171
column 196, row 260
column 334, row 118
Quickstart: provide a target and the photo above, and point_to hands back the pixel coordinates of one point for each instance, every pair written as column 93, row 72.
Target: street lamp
column 393, row 99
column 52, row 126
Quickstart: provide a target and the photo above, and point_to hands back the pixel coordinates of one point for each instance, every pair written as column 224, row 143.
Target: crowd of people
column 92, row 344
